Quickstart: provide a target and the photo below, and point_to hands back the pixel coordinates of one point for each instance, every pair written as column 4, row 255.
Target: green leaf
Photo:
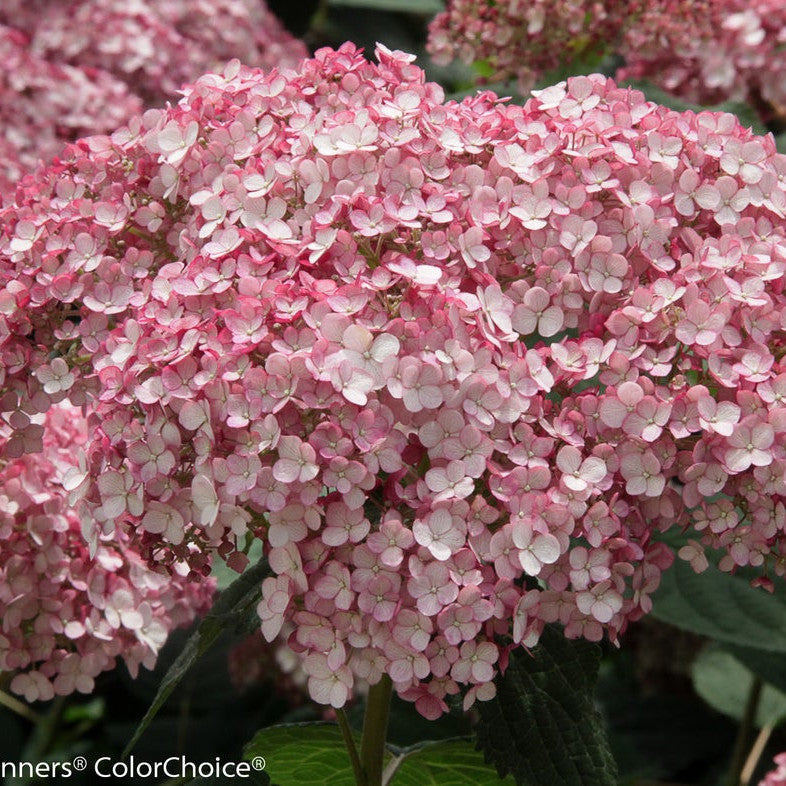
column 725, row 684
column 542, row 725
column 313, row 754
column 424, row 7
column 722, row 607
column 303, row 754
column 483, row 68
column 448, row 763
column 229, row 611
column 253, row 779
column 770, row 666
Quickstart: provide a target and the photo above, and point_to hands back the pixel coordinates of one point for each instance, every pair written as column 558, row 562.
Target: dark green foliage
column 543, row 726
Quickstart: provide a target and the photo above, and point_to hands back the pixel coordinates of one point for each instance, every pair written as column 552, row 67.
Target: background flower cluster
column 80, row 67
column 704, row 51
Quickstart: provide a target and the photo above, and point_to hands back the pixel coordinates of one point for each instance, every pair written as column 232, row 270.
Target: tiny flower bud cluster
column 457, row 365
column 705, row 51
column 67, row 615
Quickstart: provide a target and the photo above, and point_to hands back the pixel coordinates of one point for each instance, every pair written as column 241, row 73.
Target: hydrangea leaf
column 303, row 754
column 769, row 666
column 448, row 763
column 313, row 754
column 542, row 725
column 722, row 607
column 253, row 779
column 725, row 684
column 229, row 611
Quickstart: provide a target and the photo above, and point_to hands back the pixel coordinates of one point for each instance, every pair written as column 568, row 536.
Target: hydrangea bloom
column 457, row 365
column 726, row 49
column 43, row 103
column 69, row 69
column 705, row 52
column 66, row 615
column 155, row 46
column 522, row 41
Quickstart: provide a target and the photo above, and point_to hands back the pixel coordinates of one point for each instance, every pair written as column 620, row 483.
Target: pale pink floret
column 579, row 475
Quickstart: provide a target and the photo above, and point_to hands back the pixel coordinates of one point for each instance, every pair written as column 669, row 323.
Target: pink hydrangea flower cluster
column 67, row 615
column 69, row 69
column 456, row 364
column 155, row 46
column 706, row 51
column 523, row 41
column 710, row 51
column 43, row 103
column 776, row 777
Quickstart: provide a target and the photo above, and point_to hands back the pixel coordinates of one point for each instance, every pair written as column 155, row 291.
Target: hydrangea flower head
column 44, row 103
column 457, row 365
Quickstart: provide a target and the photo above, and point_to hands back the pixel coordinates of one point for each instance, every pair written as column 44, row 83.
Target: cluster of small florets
column 155, row 46
column 67, row 614
column 43, row 103
column 456, row 365
column 522, row 41
column 70, row 69
column 705, row 51
column 710, row 51
column 776, row 777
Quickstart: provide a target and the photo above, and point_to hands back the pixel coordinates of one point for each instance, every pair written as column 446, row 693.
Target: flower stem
column 743, row 734
column 755, row 754
column 375, row 729
column 19, row 707
column 346, row 733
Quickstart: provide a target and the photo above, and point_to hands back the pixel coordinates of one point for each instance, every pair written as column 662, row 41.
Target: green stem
column 346, row 733
column 19, row 707
column 743, row 734
column 375, row 730
column 44, row 736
